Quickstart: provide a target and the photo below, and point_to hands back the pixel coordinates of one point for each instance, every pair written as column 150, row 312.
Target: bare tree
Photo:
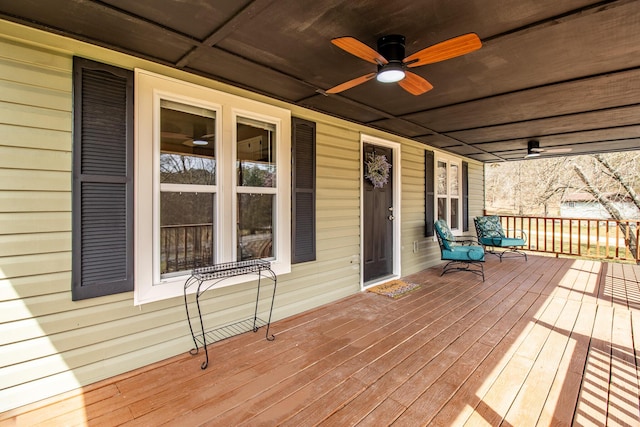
column 533, row 187
column 598, row 194
column 617, row 176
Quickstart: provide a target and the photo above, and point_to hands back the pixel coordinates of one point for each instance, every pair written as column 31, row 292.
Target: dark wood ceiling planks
column 564, row 72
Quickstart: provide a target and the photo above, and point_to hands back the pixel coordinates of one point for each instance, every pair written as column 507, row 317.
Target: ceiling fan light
column 200, row 142
column 390, row 75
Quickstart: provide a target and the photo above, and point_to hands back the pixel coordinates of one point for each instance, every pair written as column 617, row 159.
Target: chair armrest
column 518, row 234
column 467, row 240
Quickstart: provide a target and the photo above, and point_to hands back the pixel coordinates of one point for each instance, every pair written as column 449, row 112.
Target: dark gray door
column 378, row 219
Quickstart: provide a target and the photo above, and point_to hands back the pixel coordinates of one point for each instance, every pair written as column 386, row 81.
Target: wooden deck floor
column 544, row 342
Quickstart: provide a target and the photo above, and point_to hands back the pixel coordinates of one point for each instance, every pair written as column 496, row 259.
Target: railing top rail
column 600, row 238
column 558, row 218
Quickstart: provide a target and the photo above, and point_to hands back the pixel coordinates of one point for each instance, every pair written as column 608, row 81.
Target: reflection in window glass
column 442, row 178
column 256, row 164
column 442, row 208
column 255, row 226
column 188, row 158
column 454, row 180
column 186, row 231
column 187, row 144
column 454, row 214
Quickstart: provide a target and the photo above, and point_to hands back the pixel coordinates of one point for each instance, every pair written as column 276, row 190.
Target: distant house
column 584, row 205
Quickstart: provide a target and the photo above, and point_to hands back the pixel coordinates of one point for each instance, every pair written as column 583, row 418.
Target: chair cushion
column 448, row 240
column 489, row 226
column 505, row 242
column 463, row 253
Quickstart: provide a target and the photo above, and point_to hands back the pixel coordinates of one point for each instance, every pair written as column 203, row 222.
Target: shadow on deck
column 548, row 341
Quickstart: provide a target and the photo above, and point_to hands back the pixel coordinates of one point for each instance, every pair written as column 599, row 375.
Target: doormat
column 394, row 289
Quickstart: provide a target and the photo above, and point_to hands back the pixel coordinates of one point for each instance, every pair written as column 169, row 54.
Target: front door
column 378, row 212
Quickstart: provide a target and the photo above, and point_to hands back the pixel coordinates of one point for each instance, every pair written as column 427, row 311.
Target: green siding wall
column 51, row 344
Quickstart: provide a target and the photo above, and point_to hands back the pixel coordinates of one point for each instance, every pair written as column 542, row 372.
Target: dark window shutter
column 429, row 195
column 465, row 196
column 102, row 260
column 303, row 194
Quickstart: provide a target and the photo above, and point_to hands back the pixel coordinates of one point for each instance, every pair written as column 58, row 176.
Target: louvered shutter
column 303, row 194
column 465, row 196
column 102, row 261
column 429, row 195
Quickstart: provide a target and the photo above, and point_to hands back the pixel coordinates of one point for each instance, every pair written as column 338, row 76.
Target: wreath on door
column 377, row 169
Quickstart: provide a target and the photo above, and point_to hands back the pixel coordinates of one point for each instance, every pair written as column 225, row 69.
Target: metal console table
column 207, row 277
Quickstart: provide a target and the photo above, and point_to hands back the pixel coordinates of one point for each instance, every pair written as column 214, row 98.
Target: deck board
column 544, row 342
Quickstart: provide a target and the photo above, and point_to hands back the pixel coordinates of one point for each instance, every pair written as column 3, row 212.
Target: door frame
column 396, row 175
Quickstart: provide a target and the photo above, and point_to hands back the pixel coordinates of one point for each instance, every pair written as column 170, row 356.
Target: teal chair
column 463, row 254
column 491, row 235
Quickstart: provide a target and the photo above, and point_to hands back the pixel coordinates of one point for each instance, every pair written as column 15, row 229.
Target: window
column 256, row 188
column 102, row 260
column 213, row 183
column 187, row 187
column 446, row 192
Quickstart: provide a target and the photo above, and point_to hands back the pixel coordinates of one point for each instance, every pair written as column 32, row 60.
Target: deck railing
column 185, row 247
column 591, row 238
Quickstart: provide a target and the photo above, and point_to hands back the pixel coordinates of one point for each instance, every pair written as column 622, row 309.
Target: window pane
column 256, row 157
column 255, row 226
column 455, row 187
column 186, row 231
column 454, row 214
column 187, row 144
column 442, row 178
column 442, row 208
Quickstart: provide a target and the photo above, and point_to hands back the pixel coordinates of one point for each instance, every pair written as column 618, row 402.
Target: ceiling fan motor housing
column 392, row 48
column 533, row 146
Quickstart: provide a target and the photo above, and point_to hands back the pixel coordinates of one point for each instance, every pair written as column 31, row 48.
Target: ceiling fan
column 534, row 149
column 393, row 65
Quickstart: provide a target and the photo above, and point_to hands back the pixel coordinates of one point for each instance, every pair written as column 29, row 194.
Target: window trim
column 149, row 88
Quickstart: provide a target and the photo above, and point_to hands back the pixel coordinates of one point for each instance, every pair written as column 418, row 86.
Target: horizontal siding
column 52, row 344
column 35, row 223
column 476, row 192
column 336, row 271
column 17, row 288
column 13, row 179
column 29, row 158
column 25, row 137
column 34, row 201
column 413, row 204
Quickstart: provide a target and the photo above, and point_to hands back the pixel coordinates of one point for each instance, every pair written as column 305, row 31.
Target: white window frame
column 150, row 88
column 187, row 188
column 456, row 229
column 257, row 190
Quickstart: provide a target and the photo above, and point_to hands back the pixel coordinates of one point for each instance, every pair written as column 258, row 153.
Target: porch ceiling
column 566, row 73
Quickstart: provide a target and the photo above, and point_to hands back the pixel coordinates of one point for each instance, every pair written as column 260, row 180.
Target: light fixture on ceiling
column 390, row 73
column 533, row 148
column 200, row 142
